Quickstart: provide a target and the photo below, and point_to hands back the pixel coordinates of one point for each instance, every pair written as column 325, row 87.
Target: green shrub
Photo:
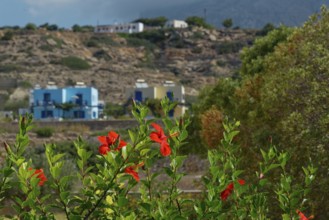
column 101, row 39
column 154, row 36
column 25, row 84
column 229, row 47
column 153, row 22
column 9, row 35
column 101, row 54
column 92, row 43
column 44, row 132
column 197, row 35
column 197, row 50
column 136, row 42
column 227, row 23
column 47, row 47
column 10, row 67
column 107, row 171
column 198, row 21
column 75, row 63
column 30, row 26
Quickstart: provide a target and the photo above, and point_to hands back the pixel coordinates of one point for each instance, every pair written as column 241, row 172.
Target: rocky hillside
column 111, row 62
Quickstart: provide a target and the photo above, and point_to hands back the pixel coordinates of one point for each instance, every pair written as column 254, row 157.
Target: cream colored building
column 176, row 24
column 141, row 92
column 120, row 28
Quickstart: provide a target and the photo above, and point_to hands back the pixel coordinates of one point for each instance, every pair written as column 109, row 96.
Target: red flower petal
column 225, row 194
column 301, row 215
column 230, row 186
column 113, row 136
column 103, row 149
column 102, row 139
column 165, row 148
column 155, row 137
column 241, row 182
column 130, row 170
column 40, row 175
column 157, row 128
column 121, row 145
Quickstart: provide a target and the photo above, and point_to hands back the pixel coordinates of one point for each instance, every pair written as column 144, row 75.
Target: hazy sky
column 66, row 13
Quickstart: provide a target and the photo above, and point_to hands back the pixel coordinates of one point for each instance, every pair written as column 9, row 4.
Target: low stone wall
column 93, row 125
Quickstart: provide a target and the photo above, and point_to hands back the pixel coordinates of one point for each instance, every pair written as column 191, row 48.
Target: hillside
column 245, row 13
column 111, row 62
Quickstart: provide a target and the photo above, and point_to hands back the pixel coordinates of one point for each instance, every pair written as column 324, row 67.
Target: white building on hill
column 120, row 28
column 176, row 24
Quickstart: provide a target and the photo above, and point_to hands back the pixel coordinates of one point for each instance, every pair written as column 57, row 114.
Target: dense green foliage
column 104, row 179
column 114, row 110
column 227, row 23
column 9, row 35
column 44, row 132
column 282, row 96
column 153, row 22
column 75, row 63
column 84, row 28
column 30, row 26
column 253, row 58
column 10, row 67
column 197, row 21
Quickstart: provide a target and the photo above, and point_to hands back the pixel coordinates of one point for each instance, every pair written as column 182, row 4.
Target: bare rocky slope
column 193, row 57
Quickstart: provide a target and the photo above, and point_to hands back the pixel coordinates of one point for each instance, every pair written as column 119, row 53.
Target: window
column 138, row 96
column 47, row 114
column 79, row 98
column 170, row 95
column 79, row 114
column 46, row 97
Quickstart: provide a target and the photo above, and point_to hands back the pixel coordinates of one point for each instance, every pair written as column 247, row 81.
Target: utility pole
column 205, row 14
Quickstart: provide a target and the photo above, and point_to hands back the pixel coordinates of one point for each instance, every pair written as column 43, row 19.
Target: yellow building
column 141, row 92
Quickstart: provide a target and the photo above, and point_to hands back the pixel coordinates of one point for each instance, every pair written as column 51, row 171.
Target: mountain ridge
column 245, row 13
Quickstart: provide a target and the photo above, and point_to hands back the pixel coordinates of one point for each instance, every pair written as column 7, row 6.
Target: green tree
column 227, row 23
column 153, row 22
column 114, row 110
column 76, row 28
column 197, row 21
column 283, row 98
column 253, row 57
column 266, row 29
column 30, row 26
column 52, row 27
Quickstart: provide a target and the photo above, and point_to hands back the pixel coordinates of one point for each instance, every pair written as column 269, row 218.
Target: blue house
column 78, row 102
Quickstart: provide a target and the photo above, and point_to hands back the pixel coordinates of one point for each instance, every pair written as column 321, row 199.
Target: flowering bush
column 104, row 186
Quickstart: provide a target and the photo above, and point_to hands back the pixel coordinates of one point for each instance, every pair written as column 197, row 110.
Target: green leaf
column 64, row 181
column 146, row 207
column 124, row 152
column 272, row 166
column 64, row 196
column 57, row 157
column 122, row 201
column 183, row 135
column 169, row 172
column 7, row 171
column 132, row 136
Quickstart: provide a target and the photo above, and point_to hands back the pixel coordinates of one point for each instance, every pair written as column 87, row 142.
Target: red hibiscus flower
column 108, row 141
column 229, row 189
column 132, row 171
column 160, row 138
column 302, row 216
column 40, row 175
